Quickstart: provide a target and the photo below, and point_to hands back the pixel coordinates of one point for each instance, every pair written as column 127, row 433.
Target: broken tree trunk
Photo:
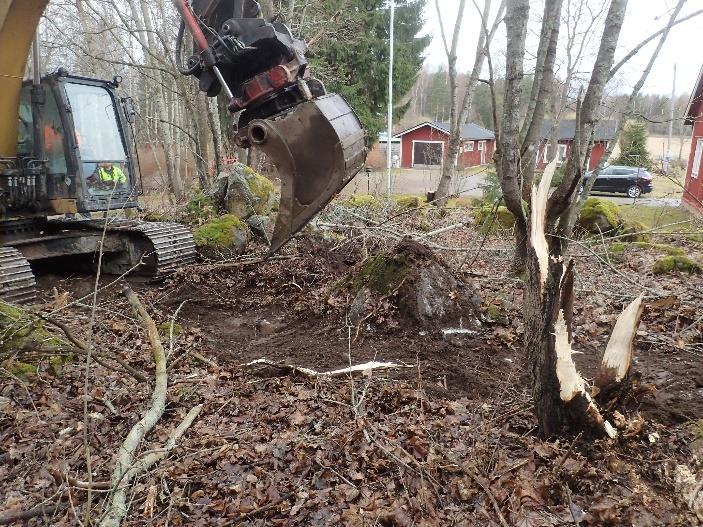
column 561, row 396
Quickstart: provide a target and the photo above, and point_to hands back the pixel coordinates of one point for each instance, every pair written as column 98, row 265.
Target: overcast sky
column 683, row 47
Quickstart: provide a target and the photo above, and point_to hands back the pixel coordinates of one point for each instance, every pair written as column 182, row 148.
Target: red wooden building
column 424, row 145
column 693, row 193
column 605, row 130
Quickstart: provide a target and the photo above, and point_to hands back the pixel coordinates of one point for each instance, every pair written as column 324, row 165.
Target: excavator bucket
column 317, row 149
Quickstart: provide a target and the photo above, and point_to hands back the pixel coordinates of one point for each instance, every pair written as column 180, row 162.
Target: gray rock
column 259, row 226
column 243, row 192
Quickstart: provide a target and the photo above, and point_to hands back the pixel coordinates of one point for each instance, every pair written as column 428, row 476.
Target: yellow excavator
column 66, row 150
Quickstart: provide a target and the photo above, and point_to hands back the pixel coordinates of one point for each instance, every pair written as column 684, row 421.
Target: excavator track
column 17, row 283
column 170, row 245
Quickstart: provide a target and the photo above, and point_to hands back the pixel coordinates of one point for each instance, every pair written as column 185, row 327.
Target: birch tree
column 459, row 109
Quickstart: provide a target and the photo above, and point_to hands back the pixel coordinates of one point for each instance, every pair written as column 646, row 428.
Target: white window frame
column 481, row 145
column 470, row 146
column 697, row 155
column 412, row 152
column 561, row 152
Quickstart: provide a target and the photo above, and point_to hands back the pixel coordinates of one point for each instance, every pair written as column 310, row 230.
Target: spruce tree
column 353, row 60
column 633, row 146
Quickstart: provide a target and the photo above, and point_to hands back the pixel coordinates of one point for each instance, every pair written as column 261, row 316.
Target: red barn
column 605, row 130
column 693, row 193
column 424, row 145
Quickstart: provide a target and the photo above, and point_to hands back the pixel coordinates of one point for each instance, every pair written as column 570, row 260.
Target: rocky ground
column 447, row 438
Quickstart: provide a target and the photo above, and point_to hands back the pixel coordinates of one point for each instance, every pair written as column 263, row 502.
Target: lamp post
column 389, row 143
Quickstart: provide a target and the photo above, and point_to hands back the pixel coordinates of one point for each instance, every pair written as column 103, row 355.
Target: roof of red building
column 469, row 132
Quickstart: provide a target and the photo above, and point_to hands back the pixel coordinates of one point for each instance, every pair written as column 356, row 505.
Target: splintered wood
column 617, row 358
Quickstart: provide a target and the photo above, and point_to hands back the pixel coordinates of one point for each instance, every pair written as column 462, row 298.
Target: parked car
column 633, row 181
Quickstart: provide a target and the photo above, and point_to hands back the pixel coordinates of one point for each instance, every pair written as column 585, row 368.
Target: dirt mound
column 410, row 284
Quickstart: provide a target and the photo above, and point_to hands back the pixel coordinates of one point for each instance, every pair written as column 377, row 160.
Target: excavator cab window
column 53, row 132
column 102, row 151
column 25, row 135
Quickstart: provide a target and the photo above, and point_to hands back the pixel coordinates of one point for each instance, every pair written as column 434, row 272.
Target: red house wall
column 472, row 159
column 597, row 153
column 428, row 133
column 693, row 195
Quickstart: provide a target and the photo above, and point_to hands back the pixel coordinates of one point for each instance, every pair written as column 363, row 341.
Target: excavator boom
column 18, row 23
column 314, row 139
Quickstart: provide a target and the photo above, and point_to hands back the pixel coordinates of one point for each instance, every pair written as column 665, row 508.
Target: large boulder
column 420, row 284
column 243, row 192
column 600, row 216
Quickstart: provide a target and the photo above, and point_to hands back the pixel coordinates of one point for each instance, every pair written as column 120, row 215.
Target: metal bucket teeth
column 317, row 148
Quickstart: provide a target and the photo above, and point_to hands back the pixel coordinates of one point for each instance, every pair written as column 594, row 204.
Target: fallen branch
column 117, row 508
column 18, row 516
column 366, row 366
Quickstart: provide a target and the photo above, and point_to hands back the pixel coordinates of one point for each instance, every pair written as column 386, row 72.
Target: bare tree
column 458, row 110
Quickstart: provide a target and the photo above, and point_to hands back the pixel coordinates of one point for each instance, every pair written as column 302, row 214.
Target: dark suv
column 633, row 181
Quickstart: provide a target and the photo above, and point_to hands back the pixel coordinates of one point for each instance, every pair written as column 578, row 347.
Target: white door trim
column 412, row 152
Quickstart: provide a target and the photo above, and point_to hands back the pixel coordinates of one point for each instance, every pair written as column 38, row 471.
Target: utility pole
column 389, row 160
column 671, row 123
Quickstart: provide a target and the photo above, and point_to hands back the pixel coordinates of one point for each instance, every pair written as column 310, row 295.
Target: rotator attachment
column 313, row 138
column 317, row 148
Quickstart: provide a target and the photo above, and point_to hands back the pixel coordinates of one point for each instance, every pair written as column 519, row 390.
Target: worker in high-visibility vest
column 112, row 174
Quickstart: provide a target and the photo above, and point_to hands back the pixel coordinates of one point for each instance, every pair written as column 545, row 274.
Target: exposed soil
column 434, row 444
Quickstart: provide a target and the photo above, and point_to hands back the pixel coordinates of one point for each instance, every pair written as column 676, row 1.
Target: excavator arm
column 18, row 23
column 314, row 139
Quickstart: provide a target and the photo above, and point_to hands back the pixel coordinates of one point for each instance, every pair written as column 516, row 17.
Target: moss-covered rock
column 366, row 201
column 165, row 329
column 423, row 288
column 620, row 247
column 600, row 216
column 684, row 264
column 464, row 202
column 407, row 202
column 243, row 192
column 483, row 218
column 21, row 330
column 225, row 232
column 381, row 273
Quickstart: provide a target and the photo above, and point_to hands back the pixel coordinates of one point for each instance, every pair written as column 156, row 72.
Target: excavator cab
column 83, row 139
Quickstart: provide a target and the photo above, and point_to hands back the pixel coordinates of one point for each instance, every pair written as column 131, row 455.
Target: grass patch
column 619, row 247
column 655, row 217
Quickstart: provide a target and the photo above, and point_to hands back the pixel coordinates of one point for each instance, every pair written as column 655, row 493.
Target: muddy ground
column 448, row 441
